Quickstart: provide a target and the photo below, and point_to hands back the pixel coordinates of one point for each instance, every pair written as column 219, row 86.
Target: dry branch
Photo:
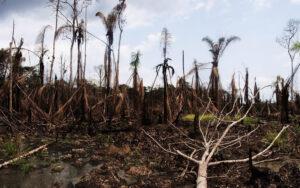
column 23, row 155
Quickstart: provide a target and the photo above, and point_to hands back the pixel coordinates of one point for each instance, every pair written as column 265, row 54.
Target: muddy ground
column 129, row 158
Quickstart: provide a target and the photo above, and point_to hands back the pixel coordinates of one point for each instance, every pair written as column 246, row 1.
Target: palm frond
column 229, row 41
column 102, row 17
column 41, row 36
column 172, row 69
column 135, row 59
column 157, row 68
column 209, row 41
column 62, row 29
column 111, row 20
column 221, row 41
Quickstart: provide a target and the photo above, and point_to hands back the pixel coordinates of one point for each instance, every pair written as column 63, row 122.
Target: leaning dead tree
column 215, row 137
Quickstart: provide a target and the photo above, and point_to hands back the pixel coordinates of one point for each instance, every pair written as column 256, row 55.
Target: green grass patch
column 211, row 117
column 23, row 165
column 10, row 148
column 204, row 118
column 281, row 142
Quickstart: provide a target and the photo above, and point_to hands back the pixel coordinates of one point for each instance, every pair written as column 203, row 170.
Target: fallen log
column 24, row 155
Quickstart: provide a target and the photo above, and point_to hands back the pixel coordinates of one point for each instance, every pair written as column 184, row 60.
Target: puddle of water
column 44, row 177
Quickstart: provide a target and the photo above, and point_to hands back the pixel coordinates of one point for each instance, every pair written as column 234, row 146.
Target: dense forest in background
column 202, row 125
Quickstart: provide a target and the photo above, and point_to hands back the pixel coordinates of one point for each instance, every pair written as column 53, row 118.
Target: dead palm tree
column 80, row 39
column 246, row 89
column 233, row 89
column 120, row 8
column 77, row 36
column 256, row 93
column 42, row 51
column 135, row 62
column 137, row 90
column 109, row 22
column 165, row 69
column 57, row 5
column 217, row 50
column 197, row 95
column 198, row 92
column 71, row 28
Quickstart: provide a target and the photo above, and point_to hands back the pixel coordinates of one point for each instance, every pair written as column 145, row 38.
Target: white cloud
column 144, row 13
column 260, row 4
column 295, row 1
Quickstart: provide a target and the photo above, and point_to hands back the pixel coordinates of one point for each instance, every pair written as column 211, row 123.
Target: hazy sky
column 256, row 22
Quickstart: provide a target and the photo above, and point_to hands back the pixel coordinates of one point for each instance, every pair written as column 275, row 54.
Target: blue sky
column 256, row 22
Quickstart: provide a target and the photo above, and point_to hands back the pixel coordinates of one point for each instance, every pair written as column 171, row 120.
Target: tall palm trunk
column 196, row 107
column 108, row 79
column 54, row 41
column 247, row 101
column 85, row 42
column 284, row 110
column 41, row 67
column 214, row 90
column 73, row 40
column 10, row 79
column 135, row 79
column 118, row 60
column 79, row 65
column 71, row 60
column 166, row 98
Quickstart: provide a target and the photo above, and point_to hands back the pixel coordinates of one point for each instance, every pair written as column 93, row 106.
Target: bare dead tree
column 212, row 141
column 287, row 40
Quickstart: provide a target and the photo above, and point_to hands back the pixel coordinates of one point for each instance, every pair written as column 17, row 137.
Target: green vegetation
column 23, row 165
column 202, row 118
column 250, row 120
column 210, row 117
column 10, row 148
column 281, row 142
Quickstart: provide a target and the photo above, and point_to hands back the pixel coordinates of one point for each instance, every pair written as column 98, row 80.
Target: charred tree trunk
column 214, row 85
column 196, row 107
column 246, row 96
column 284, row 111
column 71, row 61
column 41, row 67
column 166, row 98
